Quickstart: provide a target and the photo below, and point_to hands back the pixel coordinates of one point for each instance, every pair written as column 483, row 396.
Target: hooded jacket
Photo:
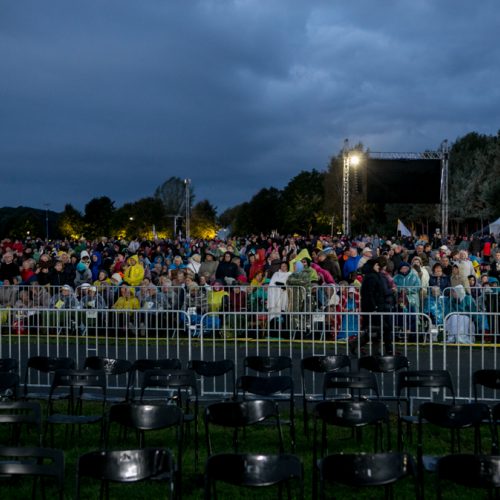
column 134, row 274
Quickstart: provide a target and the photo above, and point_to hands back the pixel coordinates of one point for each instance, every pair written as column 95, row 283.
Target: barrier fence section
column 459, row 333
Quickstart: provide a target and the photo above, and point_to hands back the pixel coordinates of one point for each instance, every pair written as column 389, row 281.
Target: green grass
column 260, row 439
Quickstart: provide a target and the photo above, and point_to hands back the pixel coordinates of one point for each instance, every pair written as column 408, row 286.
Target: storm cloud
column 114, row 97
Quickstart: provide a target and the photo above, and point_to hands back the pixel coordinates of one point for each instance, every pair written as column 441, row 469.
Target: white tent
column 495, row 227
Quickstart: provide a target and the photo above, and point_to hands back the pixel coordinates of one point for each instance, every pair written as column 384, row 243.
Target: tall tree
column 71, row 223
column 303, row 203
column 139, row 218
column 204, row 220
column 98, row 216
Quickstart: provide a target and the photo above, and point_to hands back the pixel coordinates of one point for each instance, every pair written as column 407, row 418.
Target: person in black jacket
column 227, row 270
column 373, row 300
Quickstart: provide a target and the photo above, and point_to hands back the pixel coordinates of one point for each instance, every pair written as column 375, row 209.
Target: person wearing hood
column 226, row 268
column 373, row 300
column 194, row 264
column 208, row 267
column 95, row 264
column 351, row 264
column 460, row 325
column 277, row 296
column 134, row 274
column 408, row 297
column 83, row 275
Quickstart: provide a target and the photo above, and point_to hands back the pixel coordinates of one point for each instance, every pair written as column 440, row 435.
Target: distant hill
column 20, row 222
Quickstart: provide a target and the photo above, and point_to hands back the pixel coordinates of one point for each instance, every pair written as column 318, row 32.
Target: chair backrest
column 351, row 413
column 78, row 379
column 19, row 413
column 353, row 381
column 365, row 469
column 145, row 417
column 9, row 384
column 139, row 366
column 240, row 414
column 125, row 466
column 383, row 364
column 265, row 386
column 8, row 365
column 170, row 379
column 267, row 364
column 454, row 416
column 248, row 470
column 489, row 378
column 46, row 365
column 431, row 379
column 323, row 364
column 110, row 366
column 37, row 462
column 214, row 369
column 472, row 471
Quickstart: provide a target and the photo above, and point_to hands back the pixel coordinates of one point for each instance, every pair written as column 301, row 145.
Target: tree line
column 310, row 203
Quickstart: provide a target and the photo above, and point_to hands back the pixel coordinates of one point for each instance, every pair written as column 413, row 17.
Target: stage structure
column 399, row 178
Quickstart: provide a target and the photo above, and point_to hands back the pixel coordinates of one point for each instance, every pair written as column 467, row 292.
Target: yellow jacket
column 134, row 274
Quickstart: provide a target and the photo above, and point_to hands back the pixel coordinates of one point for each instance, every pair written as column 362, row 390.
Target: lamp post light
column 350, row 159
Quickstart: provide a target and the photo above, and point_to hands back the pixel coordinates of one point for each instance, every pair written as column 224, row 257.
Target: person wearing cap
column 65, row 298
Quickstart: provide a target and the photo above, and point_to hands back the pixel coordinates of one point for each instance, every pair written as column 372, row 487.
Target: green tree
column 71, row 223
column 139, row 218
column 204, row 220
column 98, row 216
column 303, row 203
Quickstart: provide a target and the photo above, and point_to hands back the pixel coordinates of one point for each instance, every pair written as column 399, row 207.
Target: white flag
column 403, row 229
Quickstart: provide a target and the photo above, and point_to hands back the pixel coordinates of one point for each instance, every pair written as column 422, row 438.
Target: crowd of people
column 265, row 274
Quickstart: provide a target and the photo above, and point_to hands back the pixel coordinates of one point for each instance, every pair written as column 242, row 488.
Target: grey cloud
column 115, row 97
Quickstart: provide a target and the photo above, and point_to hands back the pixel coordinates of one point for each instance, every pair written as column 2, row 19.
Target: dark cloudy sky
column 112, row 97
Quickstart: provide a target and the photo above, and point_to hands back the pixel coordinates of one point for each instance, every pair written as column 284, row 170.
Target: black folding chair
column 277, row 388
column 386, row 368
column 471, row 471
column 126, row 466
column 19, row 414
column 77, row 382
column 238, row 415
column 8, row 365
column 150, row 419
column 141, row 365
column 44, row 367
column 355, row 383
column 366, row 470
column 253, row 471
column 40, row 463
column 318, row 365
column 424, row 382
column 9, row 385
column 114, row 368
column 221, row 375
column 179, row 387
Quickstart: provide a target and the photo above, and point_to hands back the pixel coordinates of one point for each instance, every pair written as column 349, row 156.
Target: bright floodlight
column 354, row 160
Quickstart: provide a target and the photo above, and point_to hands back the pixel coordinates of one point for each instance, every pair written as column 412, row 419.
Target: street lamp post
column 349, row 159
column 187, row 183
column 47, row 205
